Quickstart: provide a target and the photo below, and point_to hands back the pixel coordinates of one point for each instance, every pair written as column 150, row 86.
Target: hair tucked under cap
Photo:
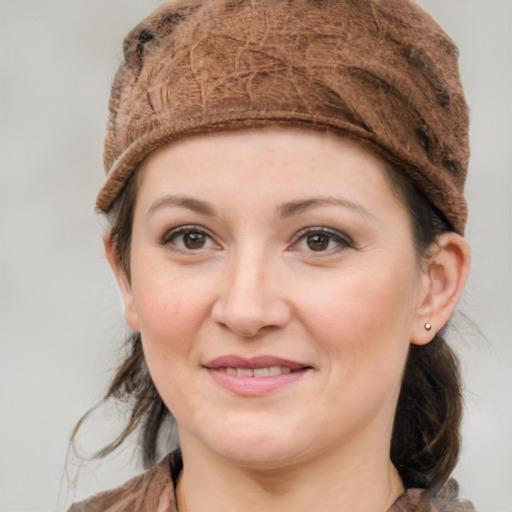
column 381, row 71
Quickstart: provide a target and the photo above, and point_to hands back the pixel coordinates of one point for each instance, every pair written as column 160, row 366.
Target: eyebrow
column 285, row 210
column 296, row 207
column 196, row 205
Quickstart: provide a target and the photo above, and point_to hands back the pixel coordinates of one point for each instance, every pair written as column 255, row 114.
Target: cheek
column 363, row 321
column 170, row 319
column 171, row 308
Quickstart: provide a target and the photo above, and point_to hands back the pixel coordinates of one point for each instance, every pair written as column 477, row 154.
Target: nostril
column 247, row 301
column 245, row 324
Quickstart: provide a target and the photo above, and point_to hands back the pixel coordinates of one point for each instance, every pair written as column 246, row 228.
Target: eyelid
column 178, row 230
column 344, row 240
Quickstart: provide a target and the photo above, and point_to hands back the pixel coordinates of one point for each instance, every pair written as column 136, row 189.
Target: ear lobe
column 130, row 312
column 445, row 273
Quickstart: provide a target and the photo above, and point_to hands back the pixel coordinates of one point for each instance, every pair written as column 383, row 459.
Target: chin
column 259, row 456
column 256, row 446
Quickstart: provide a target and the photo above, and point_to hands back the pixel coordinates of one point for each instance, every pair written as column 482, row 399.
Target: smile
column 255, row 376
column 268, row 371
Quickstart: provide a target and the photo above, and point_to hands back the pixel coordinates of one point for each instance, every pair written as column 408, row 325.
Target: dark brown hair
column 425, row 441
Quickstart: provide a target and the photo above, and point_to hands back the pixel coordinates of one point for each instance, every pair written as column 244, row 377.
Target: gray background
column 60, row 320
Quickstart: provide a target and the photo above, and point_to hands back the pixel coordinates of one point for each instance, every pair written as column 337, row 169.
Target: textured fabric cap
column 382, row 71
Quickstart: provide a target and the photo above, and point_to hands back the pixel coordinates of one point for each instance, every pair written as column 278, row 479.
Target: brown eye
column 318, row 242
column 189, row 238
column 194, row 240
column 321, row 240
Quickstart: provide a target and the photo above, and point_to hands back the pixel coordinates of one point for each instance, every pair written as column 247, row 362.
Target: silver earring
column 428, row 327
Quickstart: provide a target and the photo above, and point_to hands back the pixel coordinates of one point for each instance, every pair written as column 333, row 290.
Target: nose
column 251, row 300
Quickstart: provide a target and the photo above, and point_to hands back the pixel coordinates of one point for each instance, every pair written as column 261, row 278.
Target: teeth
column 261, row 372
column 268, row 371
column 275, row 370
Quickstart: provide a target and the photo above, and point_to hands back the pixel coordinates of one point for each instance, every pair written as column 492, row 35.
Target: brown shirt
column 153, row 491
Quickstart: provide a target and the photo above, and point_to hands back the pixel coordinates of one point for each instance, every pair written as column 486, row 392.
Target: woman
column 285, row 195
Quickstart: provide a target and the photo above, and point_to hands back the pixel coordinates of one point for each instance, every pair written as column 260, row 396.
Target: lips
column 255, row 376
column 253, row 363
column 266, row 371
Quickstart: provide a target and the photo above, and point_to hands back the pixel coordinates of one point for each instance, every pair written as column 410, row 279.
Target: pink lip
column 254, row 386
column 232, row 361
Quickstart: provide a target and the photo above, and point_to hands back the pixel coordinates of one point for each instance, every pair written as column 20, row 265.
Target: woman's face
column 276, row 287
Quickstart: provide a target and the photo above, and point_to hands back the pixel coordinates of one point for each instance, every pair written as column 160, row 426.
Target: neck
column 331, row 481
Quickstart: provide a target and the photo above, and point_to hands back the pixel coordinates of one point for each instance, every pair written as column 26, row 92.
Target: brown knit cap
column 381, row 71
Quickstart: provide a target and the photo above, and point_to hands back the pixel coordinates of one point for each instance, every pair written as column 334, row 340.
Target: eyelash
column 170, row 237
column 342, row 241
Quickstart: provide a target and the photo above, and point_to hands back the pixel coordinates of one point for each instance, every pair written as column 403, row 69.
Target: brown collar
column 154, row 491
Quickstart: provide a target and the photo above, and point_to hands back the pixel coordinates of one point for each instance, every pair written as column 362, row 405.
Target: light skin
column 291, row 244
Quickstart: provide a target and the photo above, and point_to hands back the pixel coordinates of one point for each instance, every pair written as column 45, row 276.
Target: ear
column 130, row 312
column 444, row 275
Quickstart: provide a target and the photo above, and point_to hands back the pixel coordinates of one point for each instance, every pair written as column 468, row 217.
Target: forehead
column 278, row 156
